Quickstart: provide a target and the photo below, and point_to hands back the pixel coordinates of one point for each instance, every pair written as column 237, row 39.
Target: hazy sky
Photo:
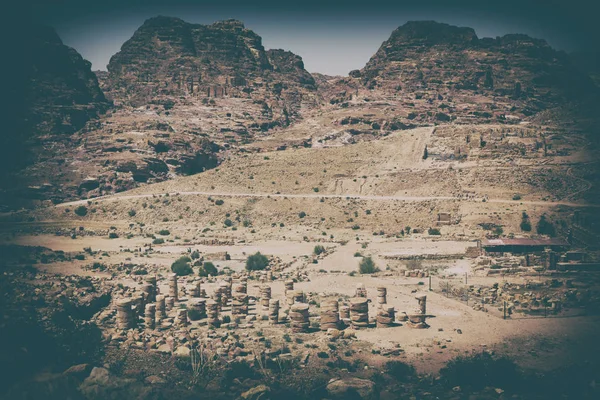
column 333, row 37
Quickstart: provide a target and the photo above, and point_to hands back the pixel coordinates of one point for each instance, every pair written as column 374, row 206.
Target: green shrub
column 227, row 222
column 164, row 232
column 208, row 268
column 158, row 241
column 81, row 211
column 545, row 227
column 132, row 213
column 434, row 231
column 80, row 257
column 219, row 202
column 357, row 254
column 113, row 235
column 318, row 249
column 195, row 255
column 301, row 214
column 399, row 370
column 367, row 266
column 182, row 266
column 257, row 262
column 517, row 196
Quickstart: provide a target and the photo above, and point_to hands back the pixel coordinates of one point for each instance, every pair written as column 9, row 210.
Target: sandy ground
column 428, row 349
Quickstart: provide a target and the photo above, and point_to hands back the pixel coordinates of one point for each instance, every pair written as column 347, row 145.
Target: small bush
column 208, row 268
column 434, row 231
column 367, row 266
column 545, row 227
column 80, row 257
column 219, row 202
column 182, row 266
column 195, row 255
column 113, row 235
column 81, row 211
column 517, row 196
column 301, row 214
column 399, row 370
column 158, row 241
column 132, row 213
column 318, row 250
column 227, row 222
column 257, row 262
column 164, row 232
column 357, row 254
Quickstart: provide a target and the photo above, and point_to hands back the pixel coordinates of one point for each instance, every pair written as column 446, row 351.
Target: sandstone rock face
column 52, row 90
column 168, row 58
column 430, row 56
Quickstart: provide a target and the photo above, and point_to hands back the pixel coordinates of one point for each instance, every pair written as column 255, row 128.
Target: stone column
column 170, row 302
column 289, row 285
column 239, row 304
column 161, row 312
column 359, row 312
column 417, row 319
column 181, row 320
column 422, row 299
column 196, row 309
column 385, row 317
column 295, row 296
column 150, row 316
column 212, row 309
column 381, row 296
column 152, row 292
column 173, row 292
column 299, row 317
column 274, row 311
column 330, row 317
column 225, row 294
column 125, row 315
column 196, row 289
column 265, row 296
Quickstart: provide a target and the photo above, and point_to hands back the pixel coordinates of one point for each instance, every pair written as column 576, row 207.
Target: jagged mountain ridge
column 169, row 57
column 435, row 56
column 188, row 95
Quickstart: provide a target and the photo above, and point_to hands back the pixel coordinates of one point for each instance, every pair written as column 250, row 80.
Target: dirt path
column 588, row 184
column 328, row 196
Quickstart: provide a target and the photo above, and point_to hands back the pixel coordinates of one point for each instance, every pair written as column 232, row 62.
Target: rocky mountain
column 187, row 96
column 168, row 58
column 52, row 90
column 434, row 60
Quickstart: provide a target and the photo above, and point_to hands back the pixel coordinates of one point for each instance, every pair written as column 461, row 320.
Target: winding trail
column 588, row 184
column 326, row 196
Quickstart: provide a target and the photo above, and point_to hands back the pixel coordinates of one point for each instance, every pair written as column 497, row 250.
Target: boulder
column 260, row 392
column 352, row 388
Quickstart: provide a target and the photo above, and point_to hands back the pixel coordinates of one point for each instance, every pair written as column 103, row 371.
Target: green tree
column 182, row 266
column 545, row 227
column 208, row 269
column 367, row 266
column 257, row 262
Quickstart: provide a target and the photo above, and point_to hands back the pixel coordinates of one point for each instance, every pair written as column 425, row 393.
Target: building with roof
column 523, row 245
